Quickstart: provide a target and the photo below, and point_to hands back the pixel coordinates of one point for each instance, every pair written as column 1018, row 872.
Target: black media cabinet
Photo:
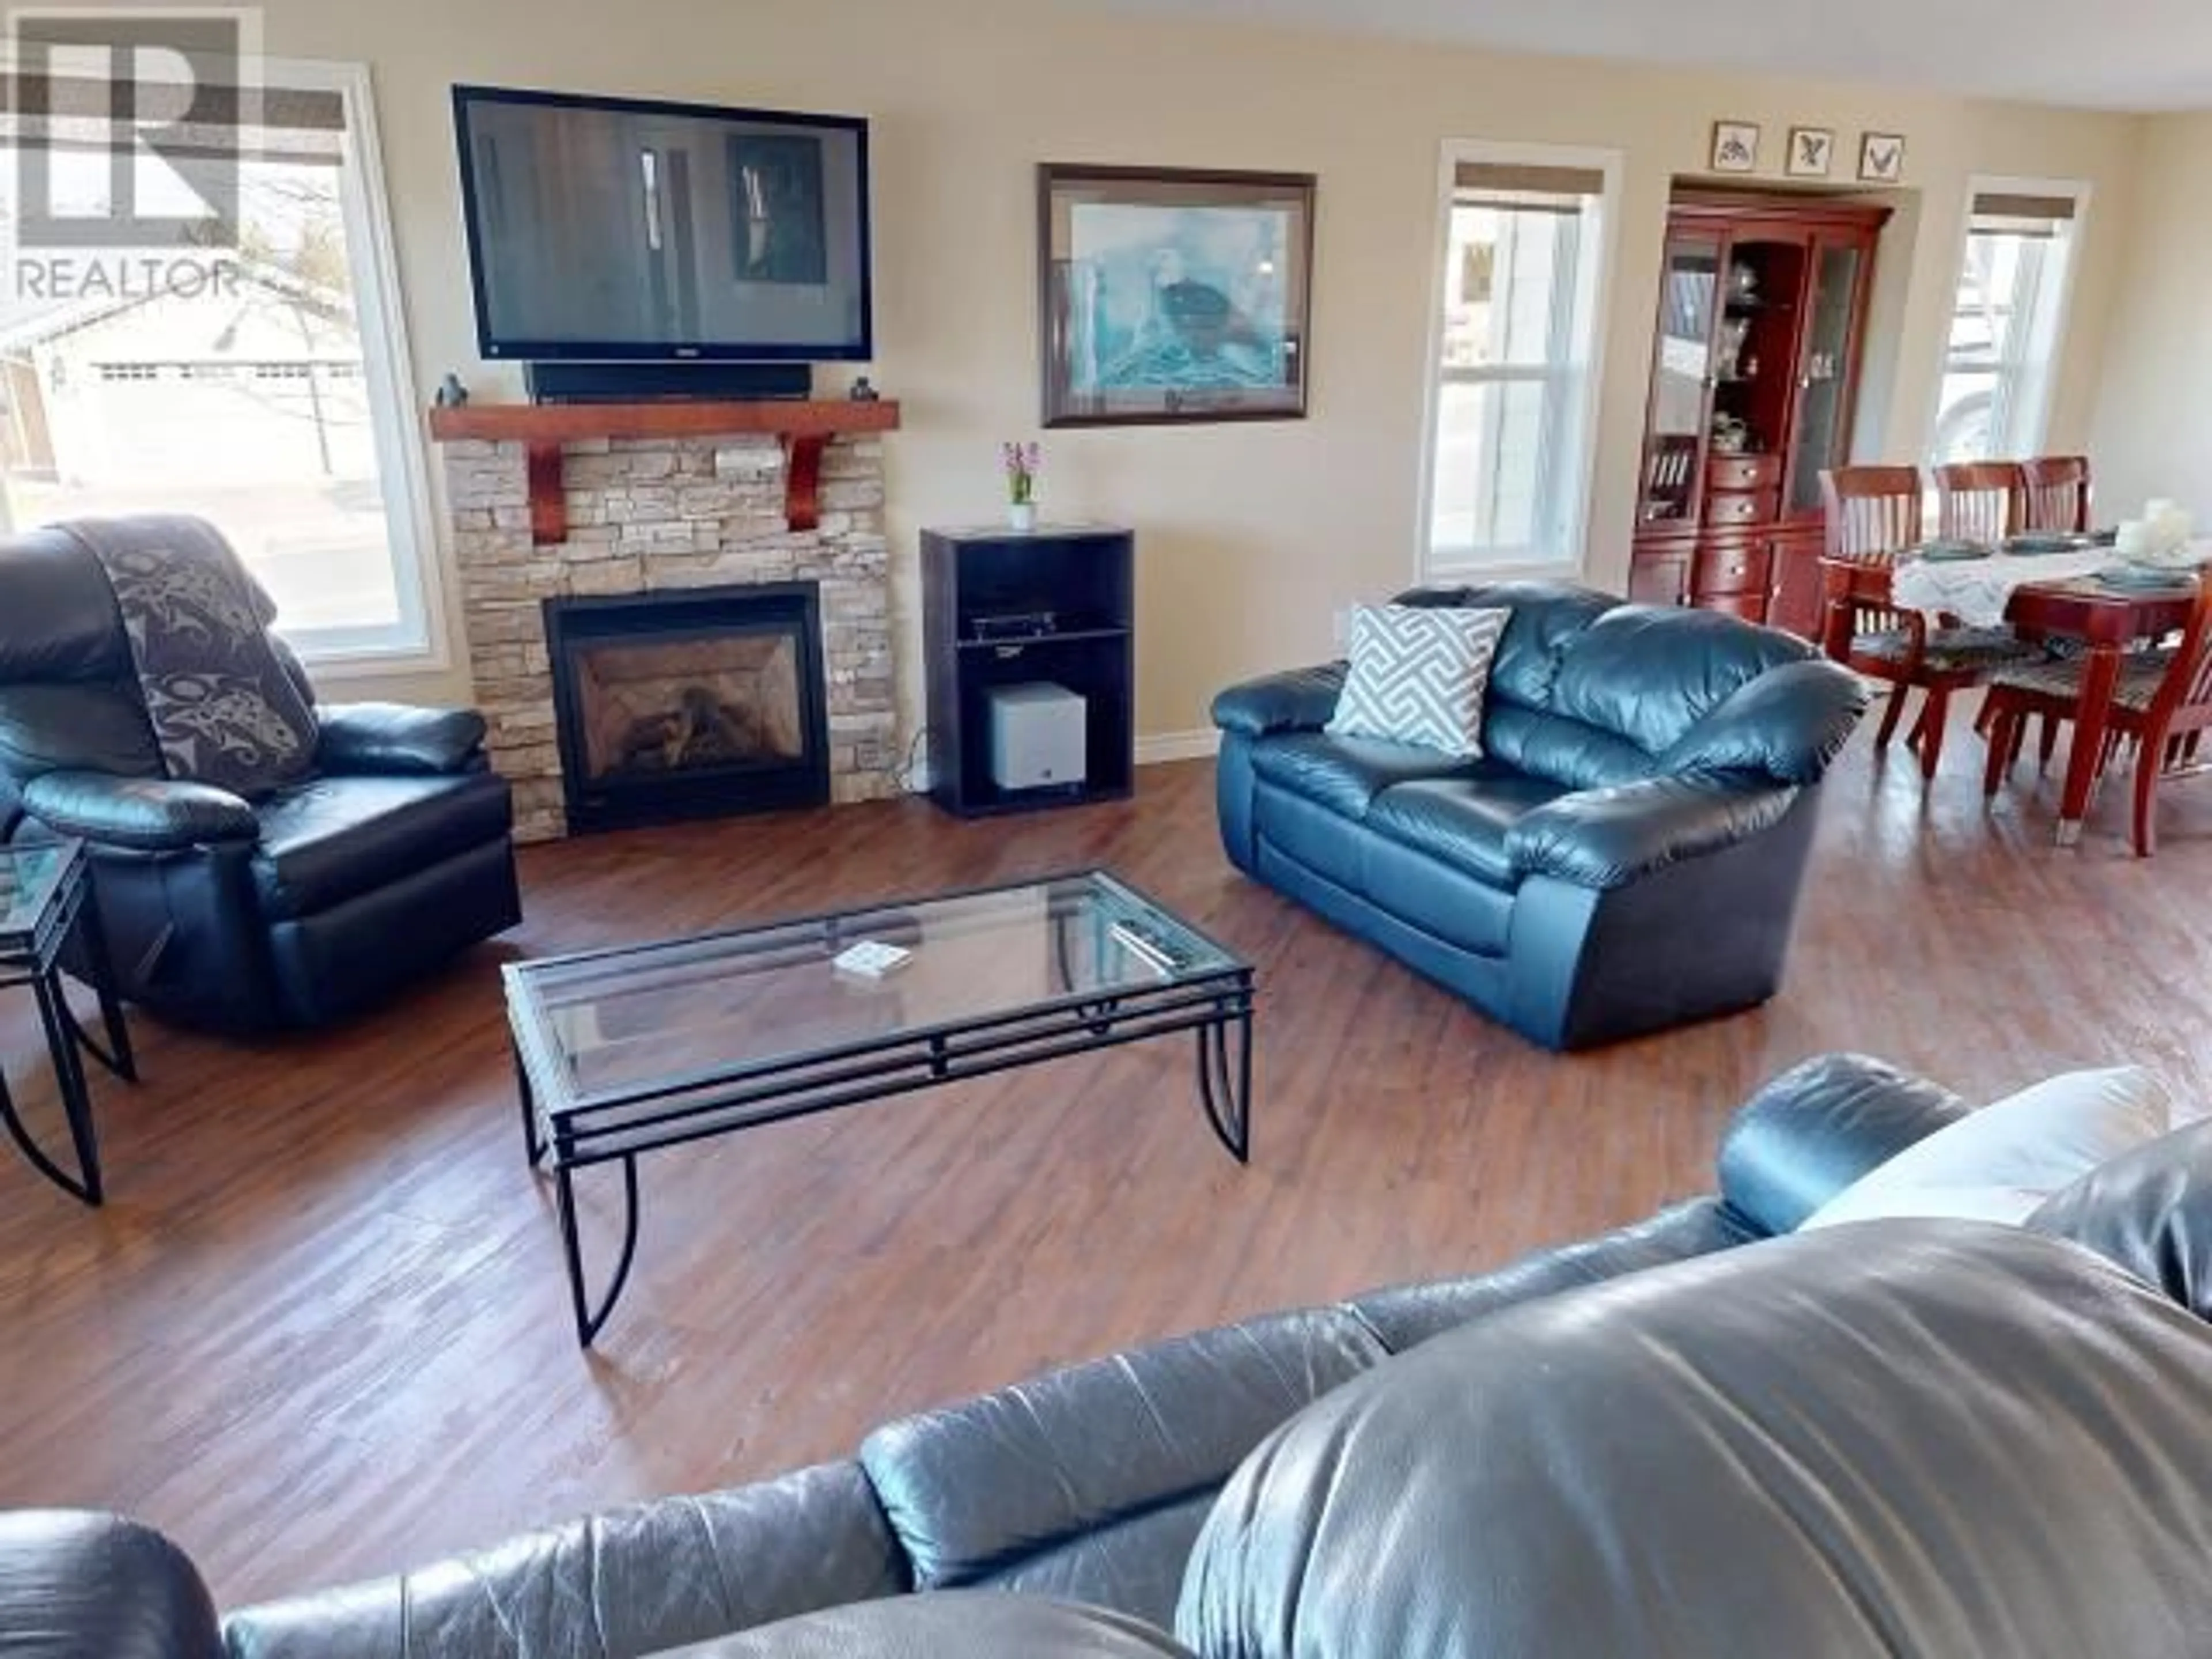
column 1003, row 607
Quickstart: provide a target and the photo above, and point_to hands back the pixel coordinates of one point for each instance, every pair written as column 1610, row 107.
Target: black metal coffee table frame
column 33, row 958
column 618, row 1128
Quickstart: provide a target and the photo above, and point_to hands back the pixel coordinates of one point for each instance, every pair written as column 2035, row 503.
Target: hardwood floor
column 320, row 1330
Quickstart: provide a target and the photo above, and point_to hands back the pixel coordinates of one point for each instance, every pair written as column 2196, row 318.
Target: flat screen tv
column 613, row 229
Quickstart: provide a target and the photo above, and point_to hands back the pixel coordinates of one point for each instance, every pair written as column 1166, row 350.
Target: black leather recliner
column 295, row 910
column 1626, row 855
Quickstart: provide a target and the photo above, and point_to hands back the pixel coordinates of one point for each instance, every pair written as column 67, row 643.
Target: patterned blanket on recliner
column 224, row 710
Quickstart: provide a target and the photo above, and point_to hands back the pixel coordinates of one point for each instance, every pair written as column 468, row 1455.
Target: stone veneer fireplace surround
column 650, row 513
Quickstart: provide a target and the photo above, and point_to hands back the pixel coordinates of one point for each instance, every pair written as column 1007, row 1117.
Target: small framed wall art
column 1811, row 152
column 1735, row 147
column 1169, row 295
column 1881, row 157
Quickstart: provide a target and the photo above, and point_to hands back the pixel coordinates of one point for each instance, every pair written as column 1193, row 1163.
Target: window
column 258, row 381
column 2007, row 320
column 1517, row 335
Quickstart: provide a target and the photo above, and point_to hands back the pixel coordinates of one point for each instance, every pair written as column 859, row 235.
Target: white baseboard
column 1177, row 746
column 1150, row 751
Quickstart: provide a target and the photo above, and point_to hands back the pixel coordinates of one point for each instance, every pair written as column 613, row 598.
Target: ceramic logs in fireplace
column 691, row 703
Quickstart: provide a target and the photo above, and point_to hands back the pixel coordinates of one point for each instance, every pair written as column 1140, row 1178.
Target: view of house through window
column 2005, row 325
column 228, row 377
column 1508, row 443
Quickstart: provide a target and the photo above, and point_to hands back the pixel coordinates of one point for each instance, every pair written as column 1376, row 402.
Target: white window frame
column 402, row 469
column 2030, row 426
column 387, row 368
column 1576, row 476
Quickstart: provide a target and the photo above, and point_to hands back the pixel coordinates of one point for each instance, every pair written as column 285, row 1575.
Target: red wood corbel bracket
column 802, row 479
column 549, row 495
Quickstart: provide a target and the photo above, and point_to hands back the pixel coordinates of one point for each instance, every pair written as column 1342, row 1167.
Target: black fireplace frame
column 671, row 615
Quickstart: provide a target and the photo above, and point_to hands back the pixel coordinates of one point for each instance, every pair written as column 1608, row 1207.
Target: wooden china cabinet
column 1754, row 378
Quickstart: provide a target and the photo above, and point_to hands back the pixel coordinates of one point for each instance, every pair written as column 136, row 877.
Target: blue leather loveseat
column 1627, row 855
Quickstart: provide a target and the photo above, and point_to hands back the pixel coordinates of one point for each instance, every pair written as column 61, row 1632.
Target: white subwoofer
column 1037, row 736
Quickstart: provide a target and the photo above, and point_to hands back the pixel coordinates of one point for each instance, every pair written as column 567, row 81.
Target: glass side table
column 45, row 899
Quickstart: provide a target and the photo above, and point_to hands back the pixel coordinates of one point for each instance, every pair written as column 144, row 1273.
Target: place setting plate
column 1952, row 552
column 2147, row 578
column 2036, row 544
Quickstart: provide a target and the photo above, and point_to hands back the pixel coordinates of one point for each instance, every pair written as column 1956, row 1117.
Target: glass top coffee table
column 625, row 1051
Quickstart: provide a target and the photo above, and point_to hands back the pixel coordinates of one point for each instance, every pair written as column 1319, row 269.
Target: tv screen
column 616, row 229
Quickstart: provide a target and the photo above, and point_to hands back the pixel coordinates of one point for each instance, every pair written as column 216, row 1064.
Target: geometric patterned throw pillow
column 1417, row 676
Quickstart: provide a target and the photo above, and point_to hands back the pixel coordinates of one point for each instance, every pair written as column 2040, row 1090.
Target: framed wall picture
column 1881, row 157
column 1173, row 295
column 1735, row 147
column 1811, row 152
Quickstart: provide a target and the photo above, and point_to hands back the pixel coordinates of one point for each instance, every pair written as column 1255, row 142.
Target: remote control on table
column 1150, row 945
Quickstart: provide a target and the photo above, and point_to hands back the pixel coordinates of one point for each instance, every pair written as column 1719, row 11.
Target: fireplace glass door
column 689, row 702
column 665, row 706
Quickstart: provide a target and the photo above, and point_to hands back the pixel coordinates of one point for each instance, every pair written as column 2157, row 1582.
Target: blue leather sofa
column 1089, row 1483
column 1626, row 856
column 1786, row 1371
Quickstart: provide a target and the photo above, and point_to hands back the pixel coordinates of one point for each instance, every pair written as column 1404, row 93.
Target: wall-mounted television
column 616, row 229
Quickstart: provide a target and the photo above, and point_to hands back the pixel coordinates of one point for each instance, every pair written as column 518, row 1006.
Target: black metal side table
column 45, row 897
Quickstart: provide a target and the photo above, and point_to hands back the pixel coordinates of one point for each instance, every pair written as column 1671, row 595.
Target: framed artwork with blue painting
column 1172, row 294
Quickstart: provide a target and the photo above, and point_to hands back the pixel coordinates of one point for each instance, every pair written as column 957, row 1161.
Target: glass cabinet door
column 1820, row 434
column 1682, row 380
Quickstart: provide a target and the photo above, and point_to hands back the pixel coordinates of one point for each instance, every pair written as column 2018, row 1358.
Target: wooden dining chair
column 2057, row 494
column 1873, row 516
column 1980, row 501
column 2163, row 706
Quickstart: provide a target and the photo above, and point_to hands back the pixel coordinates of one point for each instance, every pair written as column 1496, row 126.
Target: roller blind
column 1526, row 187
column 269, row 122
column 2009, row 213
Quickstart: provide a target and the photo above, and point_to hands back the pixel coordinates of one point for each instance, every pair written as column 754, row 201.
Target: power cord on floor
column 909, row 776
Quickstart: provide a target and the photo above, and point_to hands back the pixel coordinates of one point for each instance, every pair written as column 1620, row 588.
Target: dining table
column 2057, row 596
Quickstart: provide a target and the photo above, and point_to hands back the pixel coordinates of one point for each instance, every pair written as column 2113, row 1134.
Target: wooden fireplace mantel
column 806, row 429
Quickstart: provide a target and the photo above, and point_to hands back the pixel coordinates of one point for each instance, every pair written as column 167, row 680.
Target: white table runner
column 1977, row 590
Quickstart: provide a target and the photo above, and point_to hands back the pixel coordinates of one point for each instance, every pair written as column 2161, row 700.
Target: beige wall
column 1252, row 537
column 2153, row 434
